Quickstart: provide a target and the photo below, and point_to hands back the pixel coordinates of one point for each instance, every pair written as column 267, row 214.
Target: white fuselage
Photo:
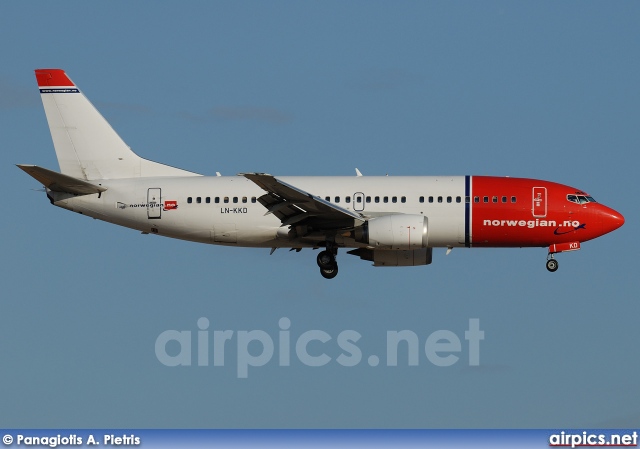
column 224, row 209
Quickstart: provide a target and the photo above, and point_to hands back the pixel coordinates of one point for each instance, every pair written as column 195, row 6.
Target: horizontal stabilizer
column 61, row 183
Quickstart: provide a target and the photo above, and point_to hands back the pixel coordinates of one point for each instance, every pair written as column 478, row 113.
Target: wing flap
column 295, row 206
column 60, row 183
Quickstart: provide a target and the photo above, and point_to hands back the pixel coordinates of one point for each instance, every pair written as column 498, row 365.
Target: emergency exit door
column 539, row 207
column 154, row 203
column 358, row 201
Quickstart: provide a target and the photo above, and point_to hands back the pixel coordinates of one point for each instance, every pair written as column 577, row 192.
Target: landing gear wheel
column 326, row 260
column 329, row 273
column 552, row 265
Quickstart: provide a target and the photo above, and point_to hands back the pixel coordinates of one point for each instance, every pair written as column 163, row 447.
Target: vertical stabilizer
column 86, row 145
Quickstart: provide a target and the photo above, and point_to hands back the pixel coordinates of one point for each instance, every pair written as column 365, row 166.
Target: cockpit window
column 580, row 199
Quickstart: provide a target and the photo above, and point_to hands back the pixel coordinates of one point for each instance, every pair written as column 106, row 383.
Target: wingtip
column 25, row 167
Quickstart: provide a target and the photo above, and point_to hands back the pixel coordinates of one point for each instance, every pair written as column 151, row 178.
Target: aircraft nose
column 610, row 219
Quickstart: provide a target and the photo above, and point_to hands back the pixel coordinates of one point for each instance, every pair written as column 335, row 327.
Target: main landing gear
column 552, row 264
column 327, row 262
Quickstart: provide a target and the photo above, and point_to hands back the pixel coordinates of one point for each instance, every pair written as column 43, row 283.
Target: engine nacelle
column 397, row 232
column 402, row 258
column 395, row 257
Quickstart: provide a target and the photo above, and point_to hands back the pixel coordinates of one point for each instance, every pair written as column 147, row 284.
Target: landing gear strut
column 327, row 262
column 552, row 264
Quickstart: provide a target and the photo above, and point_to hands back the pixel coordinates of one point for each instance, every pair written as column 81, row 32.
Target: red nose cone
column 611, row 219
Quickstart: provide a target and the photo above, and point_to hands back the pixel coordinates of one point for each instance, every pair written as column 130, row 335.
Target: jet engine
column 397, row 232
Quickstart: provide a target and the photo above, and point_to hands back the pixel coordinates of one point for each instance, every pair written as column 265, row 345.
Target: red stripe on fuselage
column 540, row 216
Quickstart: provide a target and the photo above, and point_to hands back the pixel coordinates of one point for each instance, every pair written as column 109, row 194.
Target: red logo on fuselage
column 170, row 205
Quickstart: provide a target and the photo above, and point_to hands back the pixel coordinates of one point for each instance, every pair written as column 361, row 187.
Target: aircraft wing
column 295, row 206
column 61, row 183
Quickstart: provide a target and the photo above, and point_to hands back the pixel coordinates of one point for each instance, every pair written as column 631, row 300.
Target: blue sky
column 534, row 89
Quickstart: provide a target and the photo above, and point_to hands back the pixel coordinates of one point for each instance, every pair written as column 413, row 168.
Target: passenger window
column 467, row 199
column 504, row 199
column 347, row 199
column 235, row 199
column 449, row 199
column 403, row 199
column 226, row 199
column 368, row 199
column 459, row 199
column 495, row 199
column 358, row 199
column 217, row 200
column 208, row 200
column 189, row 200
column 244, row 199
column 199, row 200
column 422, row 199
column 476, row 199
column 439, row 199
column 327, row 198
column 513, row 199
column 486, row 199
column 394, row 199
column 385, row 199
column 253, row 199
column 377, row 199
column 337, row 199
column 431, row 199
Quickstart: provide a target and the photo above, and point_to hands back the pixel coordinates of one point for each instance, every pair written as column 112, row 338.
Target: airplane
column 387, row 220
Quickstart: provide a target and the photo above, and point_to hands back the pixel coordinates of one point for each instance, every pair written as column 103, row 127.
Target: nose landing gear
column 552, row 264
